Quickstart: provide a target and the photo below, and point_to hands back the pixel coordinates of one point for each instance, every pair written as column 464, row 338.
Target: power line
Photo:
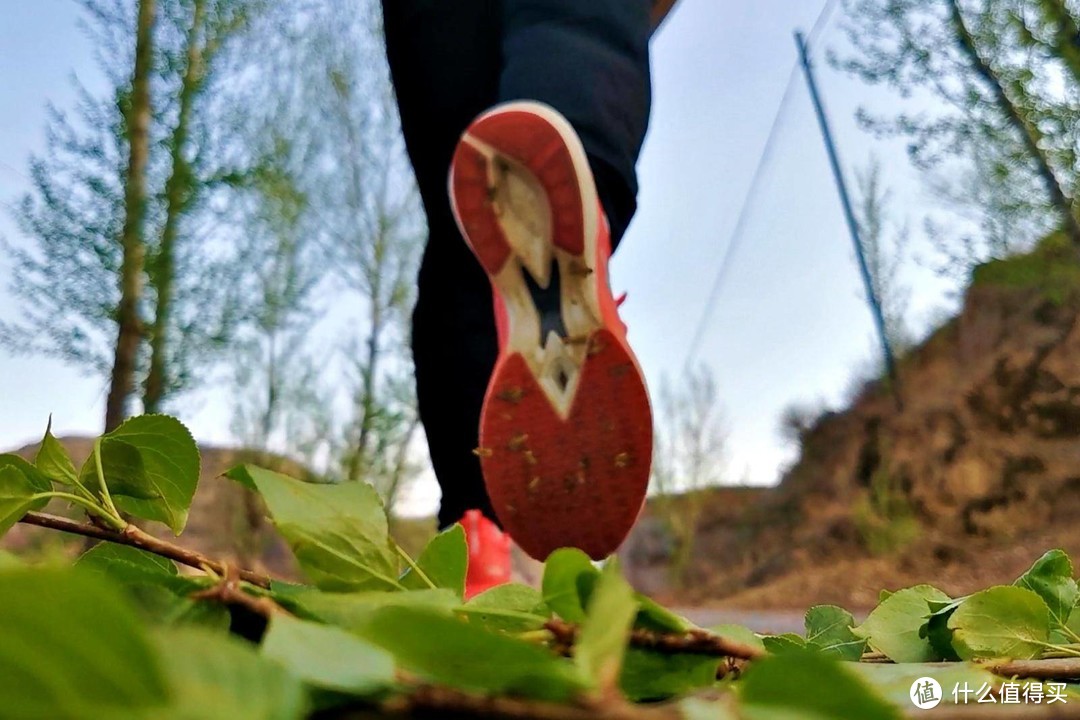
column 743, row 217
column 737, row 232
column 821, row 24
column 12, row 169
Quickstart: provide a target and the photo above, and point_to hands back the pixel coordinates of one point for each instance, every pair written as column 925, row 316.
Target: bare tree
column 286, row 271
column 689, row 457
column 372, row 229
column 359, row 230
column 883, row 244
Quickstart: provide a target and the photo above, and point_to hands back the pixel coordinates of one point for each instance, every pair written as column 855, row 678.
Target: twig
column 229, row 592
column 1054, row 669
column 875, row 657
column 137, row 538
column 694, row 642
column 456, row 703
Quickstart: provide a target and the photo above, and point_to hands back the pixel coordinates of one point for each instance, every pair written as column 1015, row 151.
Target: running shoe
column 566, row 427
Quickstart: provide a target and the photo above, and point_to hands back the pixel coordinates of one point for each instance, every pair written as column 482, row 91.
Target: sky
column 789, row 325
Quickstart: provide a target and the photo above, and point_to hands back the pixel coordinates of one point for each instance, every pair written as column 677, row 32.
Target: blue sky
column 789, row 325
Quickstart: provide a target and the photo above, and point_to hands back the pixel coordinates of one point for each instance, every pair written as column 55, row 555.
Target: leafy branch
column 132, row 536
column 376, row 632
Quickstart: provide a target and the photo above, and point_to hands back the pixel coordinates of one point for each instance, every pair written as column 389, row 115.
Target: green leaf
column 17, row 489
column 242, row 475
column 72, row 648
column 945, row 606
column 122, row 466
column 161, row 483
column 444, row 561
column 34, row 476
column 1051, row 577
column 469, row 657
column 1003, row 621
column 126, row 564
column 649, row 675
column 53, row 460
column 828, row 628
column 654, row 616
column 1073, row 625
column 784, row 643
column 337, row 532
column 354, row 610
column 154, row 585
column 895, row 626
column 739, row 633
column 810, row 686
column 569, row 577
column 602, row 639
column 940, row 636
column 894, row 681
column 216, row 677
column 510, row 608
column 327, row 657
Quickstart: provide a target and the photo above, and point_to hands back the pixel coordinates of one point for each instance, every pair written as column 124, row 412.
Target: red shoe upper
column 489, row 554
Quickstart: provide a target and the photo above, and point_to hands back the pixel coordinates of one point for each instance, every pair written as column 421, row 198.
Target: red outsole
column 578, row 481
column 479, row 224
column 574, row 482
column 534, row 142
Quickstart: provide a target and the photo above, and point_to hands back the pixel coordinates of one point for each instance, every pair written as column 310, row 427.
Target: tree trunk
column 1029, row 133
column 178, row 190
column 129, row 333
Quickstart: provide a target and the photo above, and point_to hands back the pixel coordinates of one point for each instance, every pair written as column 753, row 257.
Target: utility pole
column 853, row 225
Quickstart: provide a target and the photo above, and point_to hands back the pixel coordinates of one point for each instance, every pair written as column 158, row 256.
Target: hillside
column 978, row 473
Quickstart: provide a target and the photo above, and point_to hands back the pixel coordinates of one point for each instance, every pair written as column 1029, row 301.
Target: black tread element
column 548, row 302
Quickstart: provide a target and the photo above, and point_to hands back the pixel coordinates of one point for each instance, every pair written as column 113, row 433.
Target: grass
column 883, row 514
column 1053, row 267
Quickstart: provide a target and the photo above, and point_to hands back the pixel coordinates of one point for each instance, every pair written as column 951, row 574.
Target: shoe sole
column 566, row 428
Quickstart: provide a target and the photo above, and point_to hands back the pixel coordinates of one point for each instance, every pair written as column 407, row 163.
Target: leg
column 590, row 61
column 445, row 58
column 566, row 426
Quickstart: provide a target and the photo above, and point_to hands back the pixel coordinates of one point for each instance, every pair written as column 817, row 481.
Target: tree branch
column 137, row 538
column 694, row 642
column 229, row 592
column 1053, row 669
column 455, row 703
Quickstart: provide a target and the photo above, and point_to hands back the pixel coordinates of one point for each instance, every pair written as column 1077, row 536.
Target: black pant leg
column 450, row 60
column 445, row 58
column 589, row 59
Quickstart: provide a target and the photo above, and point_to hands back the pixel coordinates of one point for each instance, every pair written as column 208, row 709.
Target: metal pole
column 849, row 215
